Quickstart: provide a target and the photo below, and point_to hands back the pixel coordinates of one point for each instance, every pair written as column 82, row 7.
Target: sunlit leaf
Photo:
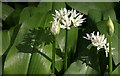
column 80, row 67
column 117, row 70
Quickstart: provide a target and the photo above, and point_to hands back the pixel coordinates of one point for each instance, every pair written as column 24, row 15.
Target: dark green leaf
column 13, row 18
column 6, row 10
column 26, row 13
column 109, row 12
column 84, row 7
column 57, row 6
column 94, row 15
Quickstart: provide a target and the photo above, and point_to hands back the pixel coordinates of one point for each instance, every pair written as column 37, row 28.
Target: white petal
column 98, row 48
column 68, row 28
column 85, row 37
column 62, row 26
column 80, row 16
column 97, row 33
column 57, row 12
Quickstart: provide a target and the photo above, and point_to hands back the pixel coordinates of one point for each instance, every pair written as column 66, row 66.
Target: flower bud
column 110, row 27
column 55, row 29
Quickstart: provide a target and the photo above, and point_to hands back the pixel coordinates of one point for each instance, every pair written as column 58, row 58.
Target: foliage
column 27, row 40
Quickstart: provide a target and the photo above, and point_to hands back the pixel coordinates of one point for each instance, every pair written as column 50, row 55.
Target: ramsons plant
column 65, row 19
column 60, row 38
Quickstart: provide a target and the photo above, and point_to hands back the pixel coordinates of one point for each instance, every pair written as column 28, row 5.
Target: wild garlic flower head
column 55, row 29
column 97, row 40
column 68, row 17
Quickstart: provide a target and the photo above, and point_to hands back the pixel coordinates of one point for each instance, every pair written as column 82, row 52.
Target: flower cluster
column 64, row 19
column 99, row 41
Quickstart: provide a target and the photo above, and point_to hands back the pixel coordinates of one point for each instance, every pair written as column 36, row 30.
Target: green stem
column 53, row 57
column 65, row 64
column 110, row 56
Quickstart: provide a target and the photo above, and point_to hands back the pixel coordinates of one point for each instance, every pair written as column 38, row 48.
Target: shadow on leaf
column 34, row 40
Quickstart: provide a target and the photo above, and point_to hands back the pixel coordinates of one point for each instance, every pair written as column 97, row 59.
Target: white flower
column 106, row 47
column 55, row 29
column 76, row 18
column 97, row 40
column 67, row 17
column 65, row 23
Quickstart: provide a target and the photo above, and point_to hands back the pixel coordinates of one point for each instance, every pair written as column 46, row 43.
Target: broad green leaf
column 79, row 67
column 84, row 7
column 72, row 38
column 6, row 38
column 94, row 15
column 6, row 10
column 5, row 41
column 26, row 13
column 117, row 70
column 58, row 63
column 58, row 5
column 44, row 7
column 38, row 63
column 34, row 57
column 13, row 18
column 17, row 63
column 109, row 12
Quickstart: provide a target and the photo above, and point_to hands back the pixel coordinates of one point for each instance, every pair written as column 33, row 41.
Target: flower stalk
column 66, row 51
column 53, row 57
column 110, row 56
column 110, row 30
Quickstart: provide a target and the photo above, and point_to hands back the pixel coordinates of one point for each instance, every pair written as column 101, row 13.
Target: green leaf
column 29, row 54
column 24, row 61
column 6, row 38
column 57, row 6
column 117, row 70
column 32, row 57
column 26, row 13
column 13, row 18
column 72, row 39
column 6, row 10
column 109, row 12
column 94, row 15
column 58, row 63
column 79, row 67
column 40, row 64
column 84, row 7
column 44, row 7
